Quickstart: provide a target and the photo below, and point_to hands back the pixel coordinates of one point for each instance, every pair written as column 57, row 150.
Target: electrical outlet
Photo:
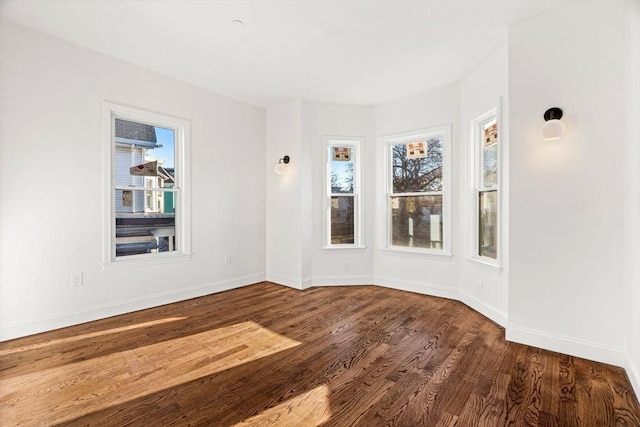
column 76, row 280
column 227, row 259
column 346, row 266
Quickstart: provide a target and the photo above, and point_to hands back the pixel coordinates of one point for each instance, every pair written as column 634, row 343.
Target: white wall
column 342, row 121
column 285, row 234
column 632, row 181
column 482, row 89
column 418, row 273
column 51, row 186
column 567, row 290
column 295, row 223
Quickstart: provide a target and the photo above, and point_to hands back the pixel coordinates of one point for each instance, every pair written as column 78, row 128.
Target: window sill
column 145, row 260
column 493, row 267
column 344, row 249
column 416, row 253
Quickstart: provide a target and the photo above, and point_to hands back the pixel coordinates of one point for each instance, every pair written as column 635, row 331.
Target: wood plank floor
column 272, row 356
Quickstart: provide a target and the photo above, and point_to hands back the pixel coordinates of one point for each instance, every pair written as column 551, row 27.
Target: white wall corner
column 283, row 280
column 567, row 345
column 306, row 283
column 48, row 323
column 487, row 310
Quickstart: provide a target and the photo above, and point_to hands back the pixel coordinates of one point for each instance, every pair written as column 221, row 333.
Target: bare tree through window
column 416, row 199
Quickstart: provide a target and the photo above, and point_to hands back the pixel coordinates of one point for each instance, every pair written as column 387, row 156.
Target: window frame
column 358, row 227
column 476, row 187
column 388, row 142
column 181, row 189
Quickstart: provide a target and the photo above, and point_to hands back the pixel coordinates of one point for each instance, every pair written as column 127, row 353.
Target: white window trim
column 475, row 180
column 181, row 127
column 384, row 208
column 358, row 226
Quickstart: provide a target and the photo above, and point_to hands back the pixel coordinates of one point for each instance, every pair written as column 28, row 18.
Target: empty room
column 320, row 213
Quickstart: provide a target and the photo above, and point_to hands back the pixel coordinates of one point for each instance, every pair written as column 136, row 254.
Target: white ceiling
column 370, row 52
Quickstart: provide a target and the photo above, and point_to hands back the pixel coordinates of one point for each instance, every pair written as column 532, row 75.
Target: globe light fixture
column 552, row 128
column 282, row 167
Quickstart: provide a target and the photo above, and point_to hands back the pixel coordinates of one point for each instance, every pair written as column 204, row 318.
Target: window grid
column 486, row 195
column 416, row 203
column 343, row 214
column 146, row 211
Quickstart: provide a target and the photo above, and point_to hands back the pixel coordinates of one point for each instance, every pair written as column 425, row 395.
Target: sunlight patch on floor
column 308, row 409
column 81, row 337
column 64, row 393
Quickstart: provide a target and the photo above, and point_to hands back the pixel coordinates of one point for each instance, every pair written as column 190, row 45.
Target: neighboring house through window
column 146, row 159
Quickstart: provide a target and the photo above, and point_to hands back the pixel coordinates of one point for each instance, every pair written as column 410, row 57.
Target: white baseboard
column 310, row 282
column 487, row 310
column 341, row 280
column 48, row 323
column 418, row 287
column 567, row 345
column 288, row 281
column 307, row 283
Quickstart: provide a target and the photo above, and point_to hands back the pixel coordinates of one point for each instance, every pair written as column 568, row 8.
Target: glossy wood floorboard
column 266, row 355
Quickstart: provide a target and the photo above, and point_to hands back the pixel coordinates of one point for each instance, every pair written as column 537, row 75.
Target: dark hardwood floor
column 337, row 356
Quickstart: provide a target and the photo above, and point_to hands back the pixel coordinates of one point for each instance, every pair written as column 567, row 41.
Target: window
column 146, row 170
column 417, row 201
column 343, row 193
column 485, row 194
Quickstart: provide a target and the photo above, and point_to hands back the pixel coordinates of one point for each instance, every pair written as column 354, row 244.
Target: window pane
column 341, row 164
column 342, row 215
column 488, row 224
column 132, row 140
column 144, row 158
column 163, row 152
column 412, row 173
column 137, row 144
column 416, row 221
column 490, row 154
column 148, row 226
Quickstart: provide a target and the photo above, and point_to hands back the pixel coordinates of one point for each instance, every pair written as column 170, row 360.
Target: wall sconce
column 552, row 128
column 282, row 166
